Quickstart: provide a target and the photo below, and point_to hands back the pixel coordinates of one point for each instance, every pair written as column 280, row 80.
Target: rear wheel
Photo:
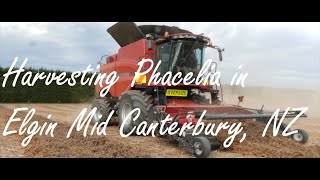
column 103, row 111
column 201, row 147
column 129, row 101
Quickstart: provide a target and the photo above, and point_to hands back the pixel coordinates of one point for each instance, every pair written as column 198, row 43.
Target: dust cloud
column 273, row 98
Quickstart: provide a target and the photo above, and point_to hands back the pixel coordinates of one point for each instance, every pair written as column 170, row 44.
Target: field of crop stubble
column 113, row 145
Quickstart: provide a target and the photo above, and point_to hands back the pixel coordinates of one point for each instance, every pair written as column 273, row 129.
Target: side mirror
column 220, row 53
column 149, row 41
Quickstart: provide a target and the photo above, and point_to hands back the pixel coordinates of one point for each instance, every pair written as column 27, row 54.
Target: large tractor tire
column 103, row 111
column 129, row 101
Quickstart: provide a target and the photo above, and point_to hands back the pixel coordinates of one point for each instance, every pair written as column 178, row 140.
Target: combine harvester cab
column 180, row 51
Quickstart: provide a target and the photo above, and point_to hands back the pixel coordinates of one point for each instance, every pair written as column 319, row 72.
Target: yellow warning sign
column 141, row 79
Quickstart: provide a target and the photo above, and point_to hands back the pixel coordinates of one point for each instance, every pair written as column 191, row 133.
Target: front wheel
column 301, row 136
column 201, row 147
column 129, row 101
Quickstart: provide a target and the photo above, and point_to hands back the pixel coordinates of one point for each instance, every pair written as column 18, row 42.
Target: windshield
column 180, row 56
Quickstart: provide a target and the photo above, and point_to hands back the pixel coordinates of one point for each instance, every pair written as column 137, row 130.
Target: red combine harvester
column 179, row 51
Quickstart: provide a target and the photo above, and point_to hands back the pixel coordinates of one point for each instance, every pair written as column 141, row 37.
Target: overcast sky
column 274, row 54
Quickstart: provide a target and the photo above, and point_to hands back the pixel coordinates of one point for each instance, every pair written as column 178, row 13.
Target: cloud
column 274, row 54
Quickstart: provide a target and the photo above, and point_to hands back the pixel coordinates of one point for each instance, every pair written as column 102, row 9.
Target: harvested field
column 113, row 145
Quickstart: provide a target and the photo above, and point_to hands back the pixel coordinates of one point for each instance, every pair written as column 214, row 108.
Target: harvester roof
column 128, row 32
column 161, row 29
